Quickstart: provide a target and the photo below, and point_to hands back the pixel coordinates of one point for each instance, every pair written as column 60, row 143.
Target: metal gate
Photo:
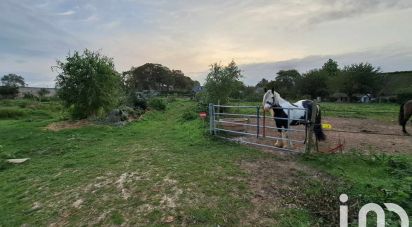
column 250, row 125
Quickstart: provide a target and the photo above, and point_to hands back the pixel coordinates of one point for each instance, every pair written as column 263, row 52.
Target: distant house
column 35, row 91
column 341, row 97
column 366, row 98
column 197, row 89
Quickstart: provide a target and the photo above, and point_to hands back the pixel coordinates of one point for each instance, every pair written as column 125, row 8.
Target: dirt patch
column 271, row 182
column 57, row 126
column 365, row 135
column 280, row 184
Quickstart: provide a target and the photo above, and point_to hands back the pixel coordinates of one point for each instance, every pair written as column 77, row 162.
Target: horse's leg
column 287, row 143
column 290, row 144
column 279, row 142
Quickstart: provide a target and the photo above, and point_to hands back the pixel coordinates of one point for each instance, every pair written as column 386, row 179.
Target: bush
column 404, row 95
column 202, row 103
column 11, row 113
column 9, row 91
column 138, row 100
column 28, row 95
column 171, row 98
column 189, row 115
column 157, row 104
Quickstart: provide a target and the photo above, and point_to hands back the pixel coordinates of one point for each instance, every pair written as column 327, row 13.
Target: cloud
column 340, row 9
column 191, row 35
column 66, row 13
column 388, row 59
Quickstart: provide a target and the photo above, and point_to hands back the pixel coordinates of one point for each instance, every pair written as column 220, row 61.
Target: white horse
column 278, row 107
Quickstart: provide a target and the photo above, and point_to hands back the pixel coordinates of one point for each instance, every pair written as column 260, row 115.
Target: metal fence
column 250, row 125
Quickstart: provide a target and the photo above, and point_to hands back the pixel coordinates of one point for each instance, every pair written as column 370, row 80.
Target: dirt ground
column 369, row 135
column 350, row 133
column 57, row 126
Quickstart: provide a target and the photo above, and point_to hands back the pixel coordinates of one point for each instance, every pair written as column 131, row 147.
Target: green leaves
column 221, row 82
column 87, row 83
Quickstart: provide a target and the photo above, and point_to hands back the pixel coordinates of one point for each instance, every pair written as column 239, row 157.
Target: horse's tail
column 320, row 136
column 401, row 115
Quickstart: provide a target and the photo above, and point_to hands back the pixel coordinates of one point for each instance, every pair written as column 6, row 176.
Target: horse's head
column 270, row 99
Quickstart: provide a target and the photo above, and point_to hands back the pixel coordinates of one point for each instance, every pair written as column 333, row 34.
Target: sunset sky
column 261, row 36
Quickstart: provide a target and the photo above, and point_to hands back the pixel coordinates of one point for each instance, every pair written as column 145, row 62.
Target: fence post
column 309, row 145
column 264, row 122
column 258, row 121
column 211, row 118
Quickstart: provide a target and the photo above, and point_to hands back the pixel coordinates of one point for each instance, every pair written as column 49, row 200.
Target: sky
column 261, row 36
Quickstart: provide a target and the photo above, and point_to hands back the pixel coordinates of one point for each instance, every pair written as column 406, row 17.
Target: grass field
column 162, row 169
column 378, row 111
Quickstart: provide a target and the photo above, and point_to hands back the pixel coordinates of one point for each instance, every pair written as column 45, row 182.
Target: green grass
column 377, row 111
column 163, row 165
column 157, row 156
column 369, row 178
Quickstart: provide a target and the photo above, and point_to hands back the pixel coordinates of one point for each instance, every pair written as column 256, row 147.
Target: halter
column 272, row 104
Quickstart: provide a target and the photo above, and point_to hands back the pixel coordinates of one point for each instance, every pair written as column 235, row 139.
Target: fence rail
column 219, row 124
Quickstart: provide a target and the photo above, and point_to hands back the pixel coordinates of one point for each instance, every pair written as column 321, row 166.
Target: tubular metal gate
column 226, row 121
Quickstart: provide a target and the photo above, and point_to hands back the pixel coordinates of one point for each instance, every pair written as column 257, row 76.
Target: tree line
column 223, row 83
column 354, row 79
column 88, row 84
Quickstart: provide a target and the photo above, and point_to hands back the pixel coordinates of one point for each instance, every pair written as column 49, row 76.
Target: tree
column 152, row 76
column 10, row 85
column 360, row 78
column 331, row 67
column 87, row 83
column 221, row 82
column 12, row 80
column 314, row 84
column 285, row 83
column 263, row 83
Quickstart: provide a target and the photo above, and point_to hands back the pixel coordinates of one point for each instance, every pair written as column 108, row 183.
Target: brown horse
column 404, row 114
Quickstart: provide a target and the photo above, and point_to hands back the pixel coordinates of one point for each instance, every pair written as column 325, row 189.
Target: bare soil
column 57, row 126
column 277, row 186
column 351, row 133
column 368, row 135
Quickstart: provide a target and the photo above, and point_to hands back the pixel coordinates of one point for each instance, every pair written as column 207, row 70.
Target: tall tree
column 360, row 78
column 12, row 80
column 263, row 83
column 87, row 83
column 152, row 76
column 11, row 84
column 285, row 82
column 314, row 84
column 331, row 67
column 221, row 82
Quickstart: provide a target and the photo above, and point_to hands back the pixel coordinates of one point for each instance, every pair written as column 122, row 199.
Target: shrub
column 171, row 98
column 11, row 113
column 157, row 104
column 188, row 115
column 138, row 100
column 28, row 95
column 404, row 95
column 9, row 91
